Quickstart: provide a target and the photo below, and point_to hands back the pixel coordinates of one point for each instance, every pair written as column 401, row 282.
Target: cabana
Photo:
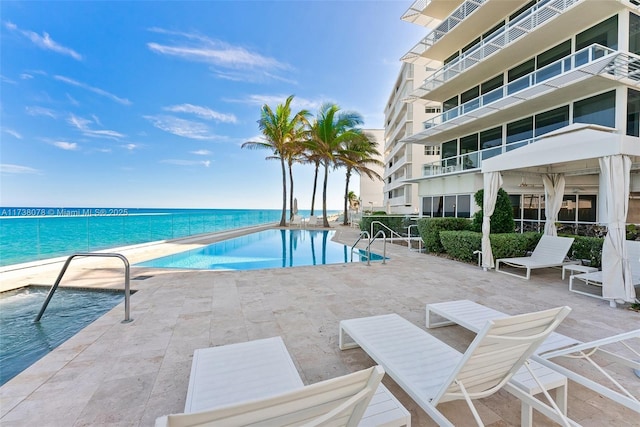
column 577, row 149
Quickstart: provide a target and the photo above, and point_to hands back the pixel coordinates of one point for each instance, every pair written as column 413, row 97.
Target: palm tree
column 310, row 155
column 331, row 129
column 278, row 129
column 357, row 155
column 293, row 152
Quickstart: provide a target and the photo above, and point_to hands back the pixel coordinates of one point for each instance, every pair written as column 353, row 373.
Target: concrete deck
column 115, row 374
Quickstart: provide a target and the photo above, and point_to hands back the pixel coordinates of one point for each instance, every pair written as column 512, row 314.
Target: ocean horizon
column 35, row 233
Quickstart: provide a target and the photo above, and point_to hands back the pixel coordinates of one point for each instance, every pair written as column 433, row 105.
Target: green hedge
column 587, row 248
column 430, row 228
column 396, row 223
column 461, row 244
column 512, row 245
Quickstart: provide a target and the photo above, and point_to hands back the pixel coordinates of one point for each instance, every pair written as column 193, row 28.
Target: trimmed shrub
column 502, row 218
column 511, row 245
column 587, row 248
column 429, row 229
column 461, row 244
column 396, row 223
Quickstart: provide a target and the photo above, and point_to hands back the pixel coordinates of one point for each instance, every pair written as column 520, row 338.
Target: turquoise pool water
column 23, row 342
column 265, row 249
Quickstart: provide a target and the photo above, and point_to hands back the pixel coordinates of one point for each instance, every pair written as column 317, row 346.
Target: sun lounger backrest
column 498, row 351
column 336, row 402
column 552, row 249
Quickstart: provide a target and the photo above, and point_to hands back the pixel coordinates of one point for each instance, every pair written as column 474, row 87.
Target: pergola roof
column 571, row 149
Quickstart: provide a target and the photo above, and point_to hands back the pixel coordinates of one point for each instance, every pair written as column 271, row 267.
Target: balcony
column 476, row 13
column 594, row 60
column 470, row 161
column 429, row 12
column 536, row 16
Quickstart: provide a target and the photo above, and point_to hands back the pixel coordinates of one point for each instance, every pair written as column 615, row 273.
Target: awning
column 573, row 143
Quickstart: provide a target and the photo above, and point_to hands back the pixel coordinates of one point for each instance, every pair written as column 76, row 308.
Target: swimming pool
column 23, row 341
column 264, row 249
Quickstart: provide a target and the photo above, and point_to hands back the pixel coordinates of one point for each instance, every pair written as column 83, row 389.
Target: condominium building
column 404, row 161
column 528, row 89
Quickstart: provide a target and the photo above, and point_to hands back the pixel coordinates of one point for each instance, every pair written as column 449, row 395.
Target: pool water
column 23, row 341
column 264, row 249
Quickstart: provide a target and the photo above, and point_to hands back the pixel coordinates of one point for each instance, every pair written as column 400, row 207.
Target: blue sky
column 146, row 104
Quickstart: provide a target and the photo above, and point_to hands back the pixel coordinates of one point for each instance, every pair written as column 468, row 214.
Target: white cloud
column 45, row 41
column 26, row 76
column 83, row 125
column 131, row 147
column 201, row 152
column 96, row 90
column 202, row 112
column 7, row 168
column 247, row 64
column 40, row 111
column 205, row 163
column 7, row 80
column 72, row 100
column 297, row 104
column 13, row 133
column 69, row 146
column 182, row 127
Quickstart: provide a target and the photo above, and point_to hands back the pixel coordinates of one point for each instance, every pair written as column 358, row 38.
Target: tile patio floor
column 115, row 374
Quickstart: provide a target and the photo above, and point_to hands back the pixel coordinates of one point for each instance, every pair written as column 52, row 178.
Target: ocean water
column 30, row 234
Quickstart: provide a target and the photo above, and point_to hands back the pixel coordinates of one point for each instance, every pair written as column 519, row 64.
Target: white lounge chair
column 595, row 278
column 473, row 316
column 257, row 381
column 550, row 251
column 297, row 220
column 431, row 372
column 313, row 221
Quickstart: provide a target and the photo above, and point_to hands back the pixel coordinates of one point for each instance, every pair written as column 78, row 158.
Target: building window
column 553, row 54
column 634, row 33
column 604, row 33
column 633, row 112
column 450, row 206
column 432, row 110
column 427, row 203
column 551, row 120
column 522, row 10
column 464, row 206
column 447, row 206
column 515, row 204
column 491, row 138
column 520, row 130
column 449, row 149
column 523, row 69
column 586, row 208
column 431, row 150
column 531, row 206
column 469, row 144
column 470, row 99
column 599, row 110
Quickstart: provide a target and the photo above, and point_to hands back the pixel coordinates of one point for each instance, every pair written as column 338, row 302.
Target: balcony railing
column 533, row 18
column 470, row 161
column 458, row 15
column 625, row 66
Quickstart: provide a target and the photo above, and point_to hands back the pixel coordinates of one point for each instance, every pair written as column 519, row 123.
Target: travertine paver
column 129, row 374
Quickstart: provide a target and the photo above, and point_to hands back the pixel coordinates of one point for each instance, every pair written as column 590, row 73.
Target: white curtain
column 617, row 283
column 553, row 193
column 492, row 183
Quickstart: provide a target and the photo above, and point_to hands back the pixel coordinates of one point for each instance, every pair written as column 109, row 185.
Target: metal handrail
column 409, row 237
column 384, row 246
column 362, row 234
column 127, row 292
column 392, row 232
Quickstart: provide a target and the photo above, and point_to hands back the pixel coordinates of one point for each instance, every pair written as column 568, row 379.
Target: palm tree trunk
column 315, row 185
column 346, row 196
column 291, row 190
column 283, row 217
column 325, row 221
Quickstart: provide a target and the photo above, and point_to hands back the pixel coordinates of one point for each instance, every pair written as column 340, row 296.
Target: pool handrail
column 127, row 290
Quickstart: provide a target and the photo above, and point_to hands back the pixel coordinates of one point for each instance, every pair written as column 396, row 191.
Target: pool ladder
column 369, row 242
column 127, row 291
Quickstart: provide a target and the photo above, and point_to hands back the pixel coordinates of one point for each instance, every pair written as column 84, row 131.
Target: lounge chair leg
column 343, row 344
